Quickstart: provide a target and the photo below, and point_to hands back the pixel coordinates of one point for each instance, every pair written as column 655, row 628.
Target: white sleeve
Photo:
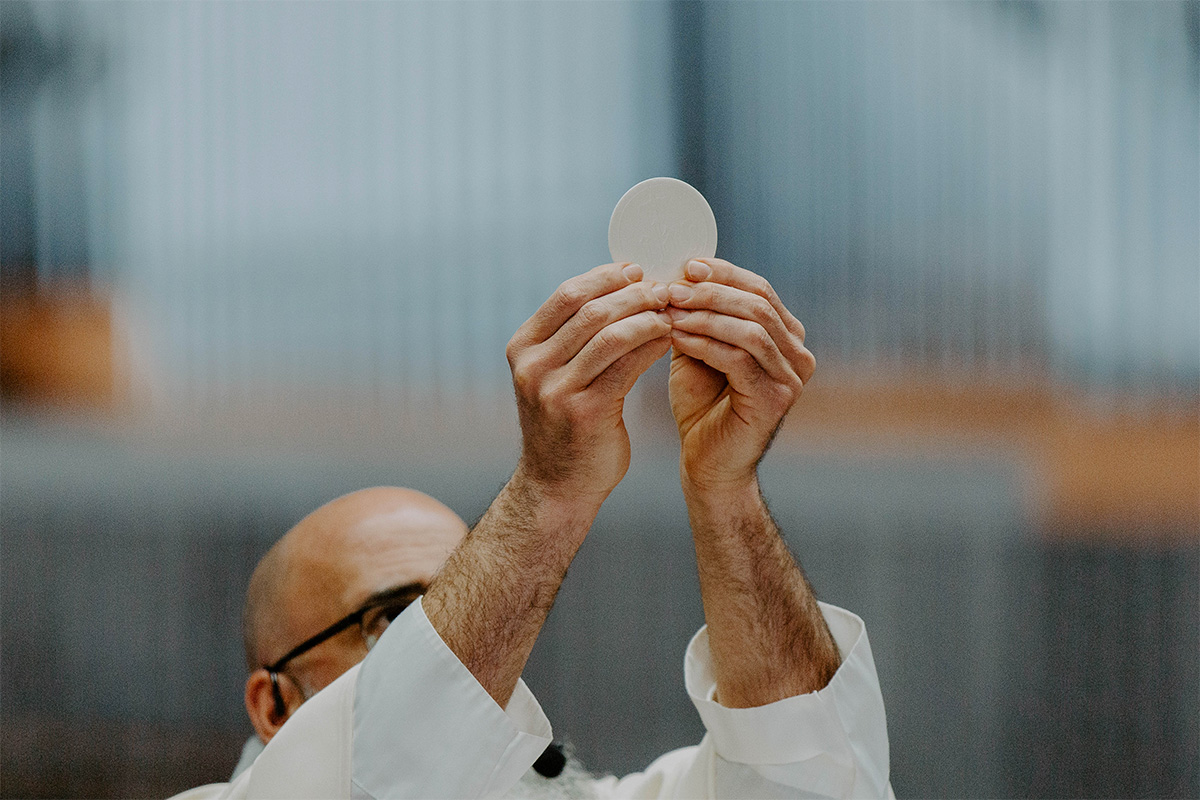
column 829, row 744
column 410, row 721
column 423, row 726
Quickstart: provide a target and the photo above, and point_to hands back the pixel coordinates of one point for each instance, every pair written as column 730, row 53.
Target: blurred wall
column 329, row 198
column 297, row 201
column 996, row 187
column 1012, row 665
column 337, row 215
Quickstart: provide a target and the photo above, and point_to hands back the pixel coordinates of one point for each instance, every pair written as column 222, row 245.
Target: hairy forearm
column 767, row 635
column 491, row 598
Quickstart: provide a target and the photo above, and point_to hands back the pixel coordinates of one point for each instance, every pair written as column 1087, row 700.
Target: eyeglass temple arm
column 354, row 618
column 313, row 641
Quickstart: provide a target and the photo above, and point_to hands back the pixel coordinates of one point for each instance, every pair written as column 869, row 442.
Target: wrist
column 721, row 498
column 717, row 471
column 553, row 506
column 562, row 494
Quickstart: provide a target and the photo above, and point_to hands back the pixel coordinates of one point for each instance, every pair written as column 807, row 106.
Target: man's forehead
column 404, row 518
column 381, row 506
column 372, row 541
column 375, row 518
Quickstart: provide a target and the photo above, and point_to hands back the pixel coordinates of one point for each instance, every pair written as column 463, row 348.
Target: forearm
column 766, row 633
column 490, row 600
column 573, row 362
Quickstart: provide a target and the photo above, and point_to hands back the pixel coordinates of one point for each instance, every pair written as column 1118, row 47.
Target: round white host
column 662, row 223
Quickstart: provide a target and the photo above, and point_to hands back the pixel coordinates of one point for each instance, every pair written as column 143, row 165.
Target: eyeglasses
column 372, row 618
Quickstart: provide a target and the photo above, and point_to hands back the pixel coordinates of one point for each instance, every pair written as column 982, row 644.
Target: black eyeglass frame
column 409, row 592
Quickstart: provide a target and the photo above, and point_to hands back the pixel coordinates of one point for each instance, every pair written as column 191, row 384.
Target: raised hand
column 738, row 366
column 573, row 362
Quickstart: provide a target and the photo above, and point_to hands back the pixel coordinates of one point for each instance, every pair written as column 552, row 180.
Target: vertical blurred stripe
column 979, row 187
column 329, row 202
column 321, row 203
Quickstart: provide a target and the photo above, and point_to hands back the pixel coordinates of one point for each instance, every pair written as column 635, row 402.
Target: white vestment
column 411, row 721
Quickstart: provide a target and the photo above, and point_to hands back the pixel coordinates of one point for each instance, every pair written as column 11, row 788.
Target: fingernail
column 698, row 270
column 675, row 314
column 680, row 293
column 661, row 293
column 633, row 272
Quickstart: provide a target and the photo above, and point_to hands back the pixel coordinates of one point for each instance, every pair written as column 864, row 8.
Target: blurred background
column 255, row 255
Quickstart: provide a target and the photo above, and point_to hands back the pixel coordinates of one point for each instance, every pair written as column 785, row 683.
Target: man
column 786, row 688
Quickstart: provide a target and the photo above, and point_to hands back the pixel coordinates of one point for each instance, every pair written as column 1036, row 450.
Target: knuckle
column 528, row 374
column 761, row 310
column 608, row 339
column 570, row 293
column 523, row 385
column 779, row 395
column 592, row 313
column 661, row 323
column 523, row 378
column 648, row 319
column 548, row 394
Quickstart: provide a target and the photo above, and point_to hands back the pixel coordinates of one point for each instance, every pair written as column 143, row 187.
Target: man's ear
column 264, row 714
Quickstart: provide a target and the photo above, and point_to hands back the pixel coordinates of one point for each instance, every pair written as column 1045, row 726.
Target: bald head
column 338, row 556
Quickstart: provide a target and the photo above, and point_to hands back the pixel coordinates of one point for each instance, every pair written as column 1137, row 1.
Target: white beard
column 574, row 783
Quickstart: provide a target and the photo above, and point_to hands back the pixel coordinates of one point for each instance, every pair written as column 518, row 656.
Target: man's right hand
column 573, row 362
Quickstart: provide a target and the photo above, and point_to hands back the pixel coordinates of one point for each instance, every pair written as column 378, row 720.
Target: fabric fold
column 832, row 741
column 466, row 745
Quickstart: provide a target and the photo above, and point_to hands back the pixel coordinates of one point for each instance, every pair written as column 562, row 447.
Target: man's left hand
column 737, row 366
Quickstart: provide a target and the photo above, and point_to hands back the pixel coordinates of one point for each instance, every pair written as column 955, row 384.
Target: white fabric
column 830, row 743
column 250, row 751
column 462, row 743
column 411, row 721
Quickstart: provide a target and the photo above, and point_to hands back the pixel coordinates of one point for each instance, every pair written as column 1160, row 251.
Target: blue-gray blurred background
column 254, row 255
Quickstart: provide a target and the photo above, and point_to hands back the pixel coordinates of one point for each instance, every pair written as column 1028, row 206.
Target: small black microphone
column 551, row 762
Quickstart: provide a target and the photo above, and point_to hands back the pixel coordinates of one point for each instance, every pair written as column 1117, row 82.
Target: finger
column 600, row 312
column 721, row 271
column 740, row 333
column 614, row 341
column 620, row 377
column 570, row 296
column 740, row 303
column 742, row 370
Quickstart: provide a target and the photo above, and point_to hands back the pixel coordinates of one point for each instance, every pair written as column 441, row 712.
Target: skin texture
column 326, row 567
column 738, row 365
column 573, row 362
